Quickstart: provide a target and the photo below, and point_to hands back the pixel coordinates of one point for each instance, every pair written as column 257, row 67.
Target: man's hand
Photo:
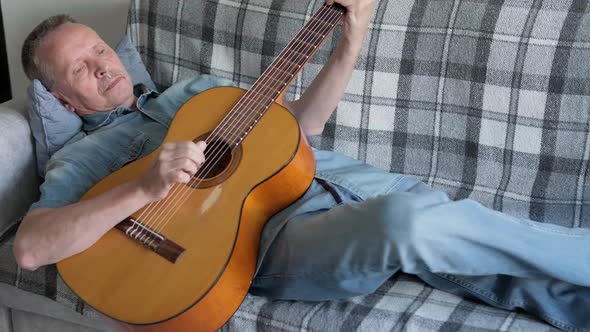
column 176, row 163
column 356, row 21
column 47, row 236
column 320, row 99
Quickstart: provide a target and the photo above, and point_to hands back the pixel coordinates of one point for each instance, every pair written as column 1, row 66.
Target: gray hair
column 33, row 67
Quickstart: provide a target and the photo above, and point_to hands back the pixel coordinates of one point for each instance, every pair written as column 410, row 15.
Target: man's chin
column 121, row 96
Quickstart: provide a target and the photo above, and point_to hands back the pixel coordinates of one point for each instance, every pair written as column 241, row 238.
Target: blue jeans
column 457, row 246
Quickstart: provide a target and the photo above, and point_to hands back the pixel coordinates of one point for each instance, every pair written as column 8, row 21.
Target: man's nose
column 102, row 69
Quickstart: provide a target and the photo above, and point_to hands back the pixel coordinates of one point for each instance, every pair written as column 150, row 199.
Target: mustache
column 108, row 78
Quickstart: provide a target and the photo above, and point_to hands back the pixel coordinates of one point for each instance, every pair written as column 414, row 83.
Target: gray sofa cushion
column 18, row 183
column 22, row 311
column 482, row 99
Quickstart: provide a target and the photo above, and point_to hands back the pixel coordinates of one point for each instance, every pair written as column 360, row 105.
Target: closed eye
column 78, row 70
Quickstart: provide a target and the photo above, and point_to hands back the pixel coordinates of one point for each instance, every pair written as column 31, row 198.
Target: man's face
column 89, row 76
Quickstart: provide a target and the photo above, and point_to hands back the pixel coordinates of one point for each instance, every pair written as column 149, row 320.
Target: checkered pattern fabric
column 44, row 281
column 402, row 303
column 481, row 99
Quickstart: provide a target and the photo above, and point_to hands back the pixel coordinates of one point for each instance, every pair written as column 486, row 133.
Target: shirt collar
column 100, row 119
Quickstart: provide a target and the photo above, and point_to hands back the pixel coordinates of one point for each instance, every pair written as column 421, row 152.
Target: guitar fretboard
column 276, row 78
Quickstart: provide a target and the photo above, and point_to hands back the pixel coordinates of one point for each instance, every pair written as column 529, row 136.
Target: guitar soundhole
column 217, row 158
column 220, row 162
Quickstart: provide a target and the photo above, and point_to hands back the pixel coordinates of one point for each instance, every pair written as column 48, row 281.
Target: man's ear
column 63, row 101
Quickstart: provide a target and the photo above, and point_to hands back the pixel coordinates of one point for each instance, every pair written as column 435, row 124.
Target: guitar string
column 319, row 19
column 323, row 34
column 238, row 115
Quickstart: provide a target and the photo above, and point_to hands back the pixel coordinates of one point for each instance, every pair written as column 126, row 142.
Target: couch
column 482, row 99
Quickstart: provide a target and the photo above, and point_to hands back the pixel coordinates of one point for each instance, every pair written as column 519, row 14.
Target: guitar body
column 219, row 226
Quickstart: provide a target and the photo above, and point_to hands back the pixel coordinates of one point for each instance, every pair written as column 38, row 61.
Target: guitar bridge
column 150, row 239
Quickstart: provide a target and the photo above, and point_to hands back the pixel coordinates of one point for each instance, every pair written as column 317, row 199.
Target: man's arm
column 320, row 99
column 47, row 236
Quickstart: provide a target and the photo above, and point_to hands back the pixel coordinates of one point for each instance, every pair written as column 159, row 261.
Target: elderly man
column 368, row 224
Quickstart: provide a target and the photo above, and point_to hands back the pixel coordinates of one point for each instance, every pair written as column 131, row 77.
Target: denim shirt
column 115, row 138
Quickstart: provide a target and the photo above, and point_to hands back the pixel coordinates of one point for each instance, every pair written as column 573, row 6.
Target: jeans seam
column 395, row 184
column 356, row 190
column 536, row 227
column 464, row 284
column 349, row 186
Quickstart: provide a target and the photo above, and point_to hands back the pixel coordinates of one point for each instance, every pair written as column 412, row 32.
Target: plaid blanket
column 401, row 304
column 482, row 99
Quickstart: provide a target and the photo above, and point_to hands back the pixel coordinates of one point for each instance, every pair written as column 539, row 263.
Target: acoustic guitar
column 186, row 262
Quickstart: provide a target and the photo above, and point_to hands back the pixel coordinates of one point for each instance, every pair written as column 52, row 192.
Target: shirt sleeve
column 65, row 183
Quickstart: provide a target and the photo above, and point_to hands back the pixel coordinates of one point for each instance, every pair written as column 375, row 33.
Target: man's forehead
column 69, row 40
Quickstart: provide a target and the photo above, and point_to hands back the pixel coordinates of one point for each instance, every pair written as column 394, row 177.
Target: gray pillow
column 53, row 126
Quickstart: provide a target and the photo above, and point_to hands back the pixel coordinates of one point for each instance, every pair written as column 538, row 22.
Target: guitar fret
column 325, row 23
column 304, row 55
column 253, row 90
column 315, row 33
column 295, row 43
column 289, row 61
column 271, row 88
column 280, row 82
column 288, row 65
column 275, row 78
column 257, row 108
column 286, row 72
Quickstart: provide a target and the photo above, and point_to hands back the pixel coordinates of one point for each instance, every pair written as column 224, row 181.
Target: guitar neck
column 277, row 77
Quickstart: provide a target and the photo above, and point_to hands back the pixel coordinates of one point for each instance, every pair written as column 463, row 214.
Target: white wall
column 107, row 17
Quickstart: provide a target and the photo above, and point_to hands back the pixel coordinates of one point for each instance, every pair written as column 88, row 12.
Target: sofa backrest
column 482, row 99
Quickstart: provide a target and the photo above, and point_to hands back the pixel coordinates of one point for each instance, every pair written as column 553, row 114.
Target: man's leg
column 562, row 304
column 352, row 249
column 331, row 254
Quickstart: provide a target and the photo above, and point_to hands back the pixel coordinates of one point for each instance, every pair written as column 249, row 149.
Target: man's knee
column 401, row 221
column 400, row 210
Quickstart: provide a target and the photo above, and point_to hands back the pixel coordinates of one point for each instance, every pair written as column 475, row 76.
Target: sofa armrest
column 19, row 182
